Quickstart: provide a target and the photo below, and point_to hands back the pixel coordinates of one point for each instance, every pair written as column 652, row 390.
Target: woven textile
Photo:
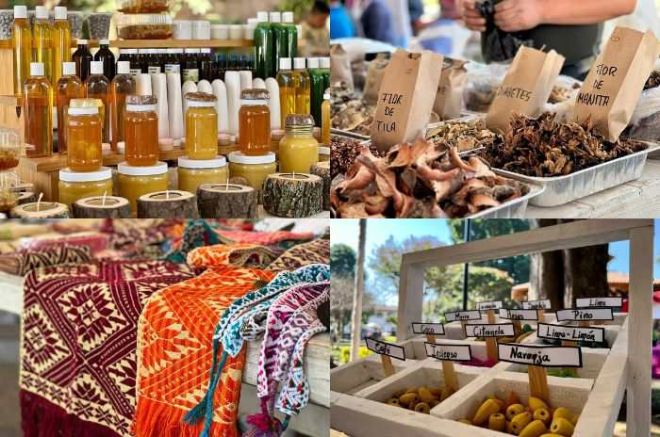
column 20, row 263
column 283, row 239
column 238, row 254
column 313, row 252
column 78, row 347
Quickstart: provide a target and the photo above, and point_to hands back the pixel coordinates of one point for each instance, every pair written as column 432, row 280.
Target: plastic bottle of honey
column 68, row 87
column 291, row 34
column 61, row 42
column 263, row 45
column 325, row 119
column 82, row 57
column 141, row 131
column 286, row 82
column 42, row 37
column 303, row 87
column 38, row 104
column 105, row 55
column 122, row 85
column 254, row 122
column 22, row 43
column 96, row 87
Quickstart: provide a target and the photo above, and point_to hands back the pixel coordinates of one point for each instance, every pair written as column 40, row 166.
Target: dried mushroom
column 544, row 147
column 343, row 151
column 419, row 179
column 653, row 80
column 349, row 111
column 464, row 135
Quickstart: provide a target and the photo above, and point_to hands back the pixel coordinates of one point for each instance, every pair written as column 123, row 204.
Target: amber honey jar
column 254, row 122
column 201, row 126
column 84, row 132
column 141, row 131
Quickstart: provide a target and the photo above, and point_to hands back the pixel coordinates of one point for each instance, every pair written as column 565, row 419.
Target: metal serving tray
column 560, row 190
column 348, row 134
column 515, row 208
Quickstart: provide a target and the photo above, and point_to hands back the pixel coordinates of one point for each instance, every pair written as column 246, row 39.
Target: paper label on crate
column 485, row 306
column 519, row 314
column 428, row 328
column 541, row 356
column 449, row 352
column 462, row 316
column 543, row 304
column 384, row 348
column 570, row 333
column 490, row 330
column 602, row 302
column 585, row 315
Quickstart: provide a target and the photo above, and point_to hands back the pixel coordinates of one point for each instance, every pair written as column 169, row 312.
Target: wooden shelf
column 162, row 43
column 57, row 162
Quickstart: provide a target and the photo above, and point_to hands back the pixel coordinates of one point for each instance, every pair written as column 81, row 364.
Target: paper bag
column 525, row 88
column 375, row 78
column 449, row 98
column 404, row 101
column 340, row 66
column 612, row 88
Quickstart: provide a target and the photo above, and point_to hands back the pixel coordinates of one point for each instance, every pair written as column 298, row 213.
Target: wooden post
column 411, row 299
column 491, row 349
column 358, row 291
column 430, row 338
column 538, row 382
column 541, row 315
column 450, row 377
column 388, row 367
column 490, row 315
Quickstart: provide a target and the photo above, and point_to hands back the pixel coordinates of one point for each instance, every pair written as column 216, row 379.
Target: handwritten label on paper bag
column 543, row 304
column 384, row 348
column 587, row 302
column 449, row 352
column 570, row 333
column 490, row 330
column 462, row 316
column 428, row 328
column 585, row 314
column 485, row 306
column 518, row 314
column 541, row 356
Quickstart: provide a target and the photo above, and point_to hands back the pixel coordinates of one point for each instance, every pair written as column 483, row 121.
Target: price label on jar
column 541, row 356
column 384, row 348
column 587, row 302
column 585, row 314
column 570, row 333
column 490, row 330
column 463, row 316
column 485, row 306
column 449, row 352
column 519, row 314
column 428, row 328
column 543, row 304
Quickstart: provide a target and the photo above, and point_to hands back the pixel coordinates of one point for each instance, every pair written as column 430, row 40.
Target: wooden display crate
column 359, row 375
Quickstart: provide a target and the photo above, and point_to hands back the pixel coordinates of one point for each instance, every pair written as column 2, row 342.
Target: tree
column 358, row 293
column 342, row 260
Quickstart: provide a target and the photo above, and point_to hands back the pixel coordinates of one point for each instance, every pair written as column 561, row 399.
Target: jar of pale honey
column 141, row 131
column 134, row 181
column 84, row 133
column 194, row 172
column 298, row 150
column 255, row 169
column 201, row 126
column 254, row 122
column 74, row 185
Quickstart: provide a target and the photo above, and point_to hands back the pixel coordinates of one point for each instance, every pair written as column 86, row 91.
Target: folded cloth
column 197, row 233
column 237, row 254
column 78, row 345
column 134, row 237
column 96, row 241
column 283, row 239
column 313, row 252
column 21, row 262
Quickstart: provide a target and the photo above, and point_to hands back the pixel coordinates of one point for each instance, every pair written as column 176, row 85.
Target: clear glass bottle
column 61, row 42
column 22, row 43
column 96, row 87
column 303, row 87
column 291, row 31
column 83, row 58
column 325, row 119
column 254, row 122
column 287, row 85
column 68, row 87
column 263, row 44
column 38, row 112
column 122, row 85
column 104, row 54
column 141, row 131
column 201, row 126
column 42, row 37
column 83, row 132
column 298, row 150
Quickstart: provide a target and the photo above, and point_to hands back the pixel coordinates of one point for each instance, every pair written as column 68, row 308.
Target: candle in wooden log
column 26, row 197
column 322, row 170
column 167, row 204
column 293, row 194
column 40, row 210
column 102, row 207
column 227, row 201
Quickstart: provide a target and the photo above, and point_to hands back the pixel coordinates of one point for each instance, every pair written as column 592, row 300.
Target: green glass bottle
column 263, row 47
column 279, row 37
column 317, row 88
column 324, row 64
column 291, row 34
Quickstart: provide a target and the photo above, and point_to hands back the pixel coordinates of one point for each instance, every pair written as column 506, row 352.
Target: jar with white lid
column 84, row 129
column 254, row 169
column 201, row 126
column 134, row 181
column 194, row 172
column 74, row 185
column 141, row 131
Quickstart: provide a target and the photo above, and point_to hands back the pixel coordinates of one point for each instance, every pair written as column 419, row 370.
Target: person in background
column 416, row 11
column 341, row 23
column 314, row 30
column 446, row 35
column 572, row 28
column 377, row 22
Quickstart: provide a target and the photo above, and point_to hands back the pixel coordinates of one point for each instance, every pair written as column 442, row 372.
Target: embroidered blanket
column 21, row 262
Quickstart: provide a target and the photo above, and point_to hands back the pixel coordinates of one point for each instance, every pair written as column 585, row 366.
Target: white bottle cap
column 326, row 96
column 287, row 17
column 104, row 42
column 20, row 11
column 123, row 67
column 298, row 63
column 36, row 69
column 275, row 17
column 325, row 62
column 97, row 67
column 68, row 68
column 285, row 63
column 82, row 41
column 262, row 16
column 41, row 12
column 60, row 12
column 312, row 62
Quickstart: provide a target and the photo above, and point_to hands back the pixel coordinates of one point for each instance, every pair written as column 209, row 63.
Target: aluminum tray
column 348, row 134
column 515, row 208
column 560, row 190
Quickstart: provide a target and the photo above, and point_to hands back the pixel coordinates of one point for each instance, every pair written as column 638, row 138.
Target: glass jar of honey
column 84, row 132
column 194, row 172
column 324, row 153
column 254, row 169
column 298, row 150
column 74, row 185
column 134, row 181
column 254, row 122
column 141, row 131
column 201, row 126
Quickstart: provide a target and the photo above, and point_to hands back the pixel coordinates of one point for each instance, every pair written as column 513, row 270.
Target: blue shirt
column 341, row 24
column 377, row 22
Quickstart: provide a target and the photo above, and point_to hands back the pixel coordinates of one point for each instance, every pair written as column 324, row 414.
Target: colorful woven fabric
column 238, row 254
column 283, row 239
column 78, row 346
column 20, row 263
column 313, row 252
column 175, row 350
column 197, row 233
column 96, row 241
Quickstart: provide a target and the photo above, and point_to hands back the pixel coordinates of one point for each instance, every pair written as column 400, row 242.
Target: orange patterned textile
column 175, row 348
column 237, row 254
